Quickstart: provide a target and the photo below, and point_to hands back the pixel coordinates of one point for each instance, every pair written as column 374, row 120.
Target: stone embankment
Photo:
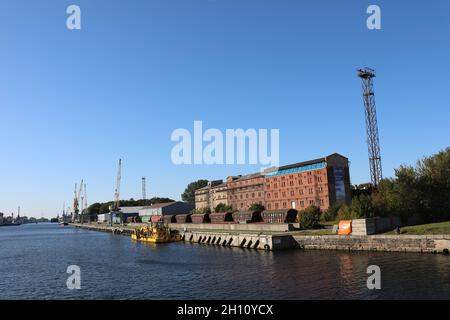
column 389, row 243
column 272, row 238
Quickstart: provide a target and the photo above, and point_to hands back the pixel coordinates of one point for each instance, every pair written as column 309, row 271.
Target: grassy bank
column 424, row 229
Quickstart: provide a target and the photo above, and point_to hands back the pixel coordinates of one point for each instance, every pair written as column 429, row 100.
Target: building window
column 269, row 206
column 292, row 192
column 302, row 203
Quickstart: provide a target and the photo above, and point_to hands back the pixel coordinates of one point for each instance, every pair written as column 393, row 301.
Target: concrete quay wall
column 388, row 243
column 235, row 227
column 242, row 240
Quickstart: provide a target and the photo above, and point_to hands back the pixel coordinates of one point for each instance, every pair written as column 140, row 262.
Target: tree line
column 422, row 191
column 104, row 207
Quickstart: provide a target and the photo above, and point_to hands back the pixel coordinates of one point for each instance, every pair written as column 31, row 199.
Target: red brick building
column 321, row 182
column 243, row 191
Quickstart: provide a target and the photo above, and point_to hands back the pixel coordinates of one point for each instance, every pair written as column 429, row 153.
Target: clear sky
column 72, row 102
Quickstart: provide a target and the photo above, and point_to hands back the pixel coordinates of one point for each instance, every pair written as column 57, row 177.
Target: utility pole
column 373, row 143
column 144, row 195
column 85, row 201
column 75, row 204
column 80, row 202
column 116, row 205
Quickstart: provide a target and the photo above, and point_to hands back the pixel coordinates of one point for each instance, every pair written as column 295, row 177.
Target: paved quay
column 272, row 237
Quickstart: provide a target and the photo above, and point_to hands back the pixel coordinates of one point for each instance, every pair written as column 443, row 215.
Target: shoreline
column 217, row 234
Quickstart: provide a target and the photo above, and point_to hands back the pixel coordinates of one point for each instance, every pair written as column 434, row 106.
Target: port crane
column 116, row 205
column 77, row 202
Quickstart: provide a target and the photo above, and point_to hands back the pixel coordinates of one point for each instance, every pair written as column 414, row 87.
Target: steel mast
column 373, row 143
column 144, row 195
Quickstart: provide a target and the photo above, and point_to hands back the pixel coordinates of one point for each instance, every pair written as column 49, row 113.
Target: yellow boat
column 155, row 233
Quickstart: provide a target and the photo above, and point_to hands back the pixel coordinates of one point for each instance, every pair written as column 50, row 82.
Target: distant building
column 321, row 182
column 243, row 191
column 211, row 195
column 129, row 212
column 167, row 208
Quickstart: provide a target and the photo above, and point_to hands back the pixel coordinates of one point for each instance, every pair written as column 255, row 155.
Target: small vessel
column 13, row 224
column 156, row 233
column 63, row 224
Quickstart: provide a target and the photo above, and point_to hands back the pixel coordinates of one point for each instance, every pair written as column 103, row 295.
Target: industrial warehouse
column 321, row 182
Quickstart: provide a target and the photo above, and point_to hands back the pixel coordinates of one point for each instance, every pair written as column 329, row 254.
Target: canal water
column 34, row 261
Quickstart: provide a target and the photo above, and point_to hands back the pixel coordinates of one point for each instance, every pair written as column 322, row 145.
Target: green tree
column 362, row 207
column 200, row 211
column 93, row 210
column 104, row 207
column 434, row 183
column 222, row 207
column 257, row 207
column 344, row 213
column 309, row 218
column 331, row 213
column 189, row 193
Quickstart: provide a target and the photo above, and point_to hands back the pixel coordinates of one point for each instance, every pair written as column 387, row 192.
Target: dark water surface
column 34, row 260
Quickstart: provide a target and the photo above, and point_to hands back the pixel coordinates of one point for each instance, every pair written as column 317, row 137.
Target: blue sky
column 72, row 102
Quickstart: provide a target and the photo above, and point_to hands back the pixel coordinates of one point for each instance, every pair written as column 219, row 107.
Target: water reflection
column 114, row 267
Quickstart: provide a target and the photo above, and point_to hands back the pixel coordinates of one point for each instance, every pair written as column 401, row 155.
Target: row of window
column 247, row 195
column 293, row 204
column 252, row 195
column 242, row 206
column 292, row 183
column 300, row 192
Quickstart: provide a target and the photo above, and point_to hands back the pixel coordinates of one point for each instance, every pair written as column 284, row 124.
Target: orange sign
column 345, row 227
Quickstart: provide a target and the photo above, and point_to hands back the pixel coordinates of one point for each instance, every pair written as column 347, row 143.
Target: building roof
column 250, row 176
column 160, row 205
column 212, row 184
column 131, row 209
column 304, row 163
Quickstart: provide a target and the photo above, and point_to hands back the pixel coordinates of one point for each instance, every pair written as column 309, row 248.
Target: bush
column 222, row 207
column 309, row 218
column 362, row 207
column 331, row 213
column 200, row 211
column 257, row 207
column 344, row 213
